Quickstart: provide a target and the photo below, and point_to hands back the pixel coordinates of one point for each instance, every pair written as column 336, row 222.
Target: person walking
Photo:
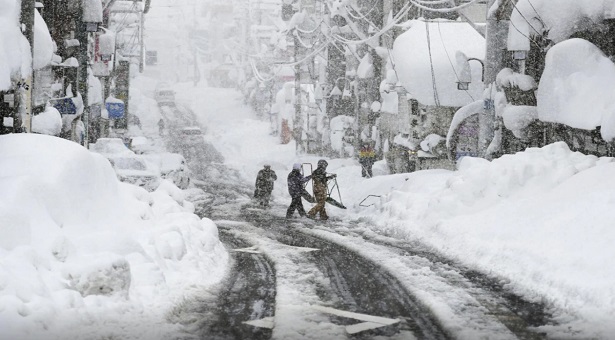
column 367, row 157
column 161, row 126
column 295, row 188
column 319, row 180
column 264, row 185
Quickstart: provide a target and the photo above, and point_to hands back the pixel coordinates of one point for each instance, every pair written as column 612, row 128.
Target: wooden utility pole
column 298, row 123
column 26, row 104
column 81, row 34
column 495, row 59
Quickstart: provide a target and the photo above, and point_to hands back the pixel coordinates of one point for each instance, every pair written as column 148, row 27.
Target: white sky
column 540, row 220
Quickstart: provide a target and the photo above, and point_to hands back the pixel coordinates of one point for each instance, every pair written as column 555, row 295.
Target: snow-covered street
column 515, row 247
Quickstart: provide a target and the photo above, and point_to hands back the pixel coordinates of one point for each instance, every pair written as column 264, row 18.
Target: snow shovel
column 305, row 194
column 332, row 201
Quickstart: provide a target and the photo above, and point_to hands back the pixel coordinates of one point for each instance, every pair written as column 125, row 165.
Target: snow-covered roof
column 427, row 51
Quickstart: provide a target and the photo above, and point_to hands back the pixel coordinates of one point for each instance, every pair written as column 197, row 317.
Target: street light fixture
column 465, row 77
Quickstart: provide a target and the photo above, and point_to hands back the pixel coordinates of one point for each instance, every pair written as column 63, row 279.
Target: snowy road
column 302, row 279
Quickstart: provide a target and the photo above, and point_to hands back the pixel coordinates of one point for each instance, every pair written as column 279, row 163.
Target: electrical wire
column 257, row 74
column 442, row 10
column 524, row 18
column 363, row 16
column 523, row 34
column 538, row 15
column 433, row 73
column 387, row 27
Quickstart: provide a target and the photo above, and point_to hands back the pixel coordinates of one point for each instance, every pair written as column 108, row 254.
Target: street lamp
column 465, row 76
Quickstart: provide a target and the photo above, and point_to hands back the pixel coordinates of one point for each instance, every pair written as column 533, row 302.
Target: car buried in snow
column 135, row 169
column 172, row 167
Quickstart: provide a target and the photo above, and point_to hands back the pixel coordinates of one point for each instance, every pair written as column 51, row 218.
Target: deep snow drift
column 83, row 255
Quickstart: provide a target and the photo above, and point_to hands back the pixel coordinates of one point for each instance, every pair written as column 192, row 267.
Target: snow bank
column 541, row 220
column 85, row 256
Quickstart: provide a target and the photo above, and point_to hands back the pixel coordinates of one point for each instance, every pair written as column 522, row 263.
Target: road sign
column 115, row 109
column 66, row 106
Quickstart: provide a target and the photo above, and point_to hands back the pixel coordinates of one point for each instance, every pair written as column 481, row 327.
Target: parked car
column 191, row 134
column 172, row 166
column 141, row 145
column 135, row 169
column 164, row 94
column 187, row 137
column 111, row 147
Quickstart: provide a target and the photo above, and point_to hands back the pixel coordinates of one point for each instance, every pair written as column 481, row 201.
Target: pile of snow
column 575, row 87
column 423, row 55
column 85, row 256
column 559, row 19
column 15, row 56
column 541, row 220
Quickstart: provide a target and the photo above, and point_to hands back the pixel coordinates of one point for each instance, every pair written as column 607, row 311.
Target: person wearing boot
column 319, row 180
column 296, row 182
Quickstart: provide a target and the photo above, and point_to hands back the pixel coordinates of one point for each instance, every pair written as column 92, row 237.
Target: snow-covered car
column 111, row 147
column 172, row 166
column 135, row 169
column 164, row 94
column 141, row 145
column 187, row 137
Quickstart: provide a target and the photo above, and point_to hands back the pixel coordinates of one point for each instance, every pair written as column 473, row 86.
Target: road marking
column 301, row 248
column 254, row 249
column 363, row 326
column 371, row 321
column 262, row 323
column 251, row 250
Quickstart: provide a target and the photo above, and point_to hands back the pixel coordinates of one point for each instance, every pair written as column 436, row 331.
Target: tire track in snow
column 459, row 307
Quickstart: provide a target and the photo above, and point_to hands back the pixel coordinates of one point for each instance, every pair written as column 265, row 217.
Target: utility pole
column 298, row 124
column 81, row 34
column 27, row 21
column 495, row 56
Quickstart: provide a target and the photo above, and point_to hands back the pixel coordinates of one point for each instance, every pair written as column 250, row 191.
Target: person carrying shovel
column 319, row 180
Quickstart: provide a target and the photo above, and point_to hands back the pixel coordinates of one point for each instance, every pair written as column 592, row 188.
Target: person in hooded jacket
column 264, row 185
column 367, row 156
column 319, row 180
column 296, row 182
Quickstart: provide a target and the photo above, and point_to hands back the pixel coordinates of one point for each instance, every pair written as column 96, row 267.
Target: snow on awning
column 431, row 47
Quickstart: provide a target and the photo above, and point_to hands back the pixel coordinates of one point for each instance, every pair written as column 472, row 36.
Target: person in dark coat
column 264, row 185
column 295, row 188
column 319, row 180
column 161, row 126
column 367, row 157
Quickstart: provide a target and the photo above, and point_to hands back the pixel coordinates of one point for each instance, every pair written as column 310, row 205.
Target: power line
column 433, row 73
